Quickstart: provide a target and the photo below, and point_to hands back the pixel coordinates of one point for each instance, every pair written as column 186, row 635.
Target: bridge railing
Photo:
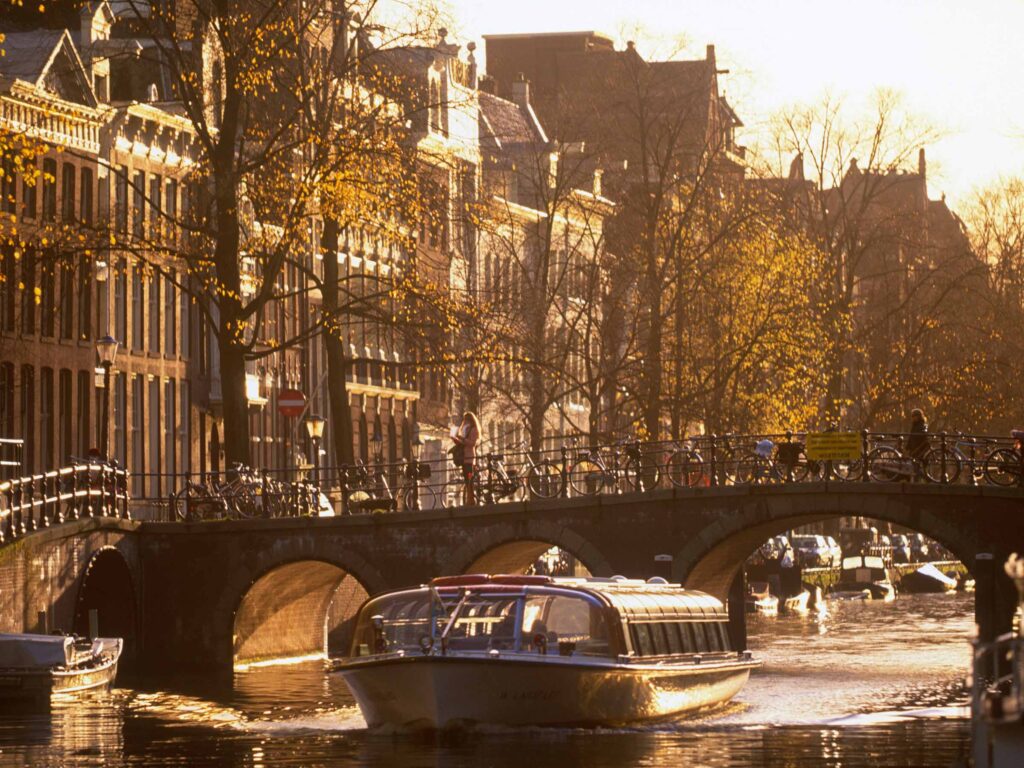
column 47, row 499
column 576, row 469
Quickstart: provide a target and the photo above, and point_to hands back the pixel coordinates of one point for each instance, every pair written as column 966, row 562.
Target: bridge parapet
column 36, row 502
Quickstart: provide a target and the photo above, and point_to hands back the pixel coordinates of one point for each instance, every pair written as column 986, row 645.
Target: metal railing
column 576, row 470
column 47, row 499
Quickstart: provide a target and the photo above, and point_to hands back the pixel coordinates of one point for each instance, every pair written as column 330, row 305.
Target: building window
column 49, row 189
column 121, row 304
column 121, row 198
column 67, row 301
column 155, row 206
column 169, row 319
column 120, row 406
column 184, row 429
column 84, row 298
column 186, row 326
column 28, row 416
column 154, row 313
column 169, row 463
column 155, row 464
column 138, row 449
column 138, row 309
column 84, row 398
column 29, row 193
column 47, row 300
column 46, row 419
column 85, row 197
column 8, row 186
column 67, row 192
column 64, row 433
column 171, row 207
column 7, row 400
column 8, row 289
column 139, row 204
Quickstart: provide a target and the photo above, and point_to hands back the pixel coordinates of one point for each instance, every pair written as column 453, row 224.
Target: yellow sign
column 833, row 446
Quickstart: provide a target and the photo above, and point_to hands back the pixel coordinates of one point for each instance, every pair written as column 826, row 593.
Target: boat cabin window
column 664, row 638
column 406, row 617
column 565, row 624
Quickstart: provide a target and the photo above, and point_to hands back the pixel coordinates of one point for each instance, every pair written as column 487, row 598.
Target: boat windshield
column 531, row 623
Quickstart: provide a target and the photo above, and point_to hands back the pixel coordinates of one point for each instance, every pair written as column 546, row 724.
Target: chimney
column 922, row 165
column 521, row 91
column 711, row 57
column 598, row 175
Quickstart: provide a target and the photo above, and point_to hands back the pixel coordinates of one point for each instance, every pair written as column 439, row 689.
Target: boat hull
column 457, row 691
column 39, row 685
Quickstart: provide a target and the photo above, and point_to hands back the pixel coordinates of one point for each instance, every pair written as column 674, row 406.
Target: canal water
column 870, row 684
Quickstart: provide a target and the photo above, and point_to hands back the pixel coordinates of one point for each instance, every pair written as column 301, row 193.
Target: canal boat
column 863, row 577
column 32, row 667
column 539, row 650
column 760, row 599
column 927, row 579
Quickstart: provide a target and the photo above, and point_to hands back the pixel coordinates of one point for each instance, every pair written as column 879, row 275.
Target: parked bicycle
column 244, row 494
column 1004, row 465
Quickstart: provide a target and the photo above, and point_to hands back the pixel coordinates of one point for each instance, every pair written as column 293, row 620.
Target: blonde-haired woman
column 467, row 436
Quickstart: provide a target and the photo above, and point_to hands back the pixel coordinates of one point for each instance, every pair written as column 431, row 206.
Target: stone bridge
column 201, row 597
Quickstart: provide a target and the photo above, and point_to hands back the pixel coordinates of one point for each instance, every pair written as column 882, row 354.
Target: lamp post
column 315, row 428
column 417, row 447
column 378, row 445
column 106, row 348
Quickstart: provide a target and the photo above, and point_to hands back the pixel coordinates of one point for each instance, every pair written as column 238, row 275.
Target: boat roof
column 23, row 651
column 634, row 599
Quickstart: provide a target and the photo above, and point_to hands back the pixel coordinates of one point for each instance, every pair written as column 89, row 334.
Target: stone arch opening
column 532, row 556
column 107, row 588
column 300, row 609
column 714, row 569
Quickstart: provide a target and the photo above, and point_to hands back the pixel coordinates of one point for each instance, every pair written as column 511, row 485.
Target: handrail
column 579, row 468
column 43, row 500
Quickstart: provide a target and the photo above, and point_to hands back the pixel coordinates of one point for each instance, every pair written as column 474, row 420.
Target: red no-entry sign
column 291, row 402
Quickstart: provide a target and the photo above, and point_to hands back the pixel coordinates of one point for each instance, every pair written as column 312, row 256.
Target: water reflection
column 866, row 685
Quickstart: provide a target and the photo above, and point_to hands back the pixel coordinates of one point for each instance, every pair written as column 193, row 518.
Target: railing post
column 343, row 483
column 30, row 524
column 18, row 522
column 264, row 495
column 864, row 456
column 413, row 470
column 790, row 456
column 944, row 477
column 565, row 472
column 121, row 481
column 72, row 481
column 971, row 479
column 713, row 460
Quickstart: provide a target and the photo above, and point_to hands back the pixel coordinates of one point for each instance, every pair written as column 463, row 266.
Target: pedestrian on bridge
column 917, row 442
column 467, row 436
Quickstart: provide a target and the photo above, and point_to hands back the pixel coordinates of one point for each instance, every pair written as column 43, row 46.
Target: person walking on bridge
column 467, row 436
column 917, row 442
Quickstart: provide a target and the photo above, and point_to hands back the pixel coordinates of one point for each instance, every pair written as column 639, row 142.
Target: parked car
column 901, row 552
column 812, row 550
column 776, row 550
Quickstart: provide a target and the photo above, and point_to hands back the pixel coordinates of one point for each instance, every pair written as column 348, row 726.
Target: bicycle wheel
column 888, row 465
column 1002, row 467
column 845, row 469
column 684, row 468
column 642, row 473
column 452, row 493
column 424, row 493
column 587, row 477
column 741, row 468
column 802, row 470
column 188, row 502
column 544, row 480
column 939, row 460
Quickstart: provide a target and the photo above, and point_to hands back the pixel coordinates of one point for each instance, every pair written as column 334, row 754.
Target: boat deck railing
column 997, row 685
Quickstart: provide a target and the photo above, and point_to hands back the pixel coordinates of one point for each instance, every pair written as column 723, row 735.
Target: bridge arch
column 513, row 547
column 107, row 587
column 298, row 601
column 711, row 561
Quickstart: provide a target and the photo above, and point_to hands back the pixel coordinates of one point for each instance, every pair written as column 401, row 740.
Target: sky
column 958, row 64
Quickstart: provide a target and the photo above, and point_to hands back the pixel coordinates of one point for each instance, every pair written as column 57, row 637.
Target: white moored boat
column 536, row 650
column 34, row 666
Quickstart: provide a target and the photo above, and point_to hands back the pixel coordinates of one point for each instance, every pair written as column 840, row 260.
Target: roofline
column 571, row 33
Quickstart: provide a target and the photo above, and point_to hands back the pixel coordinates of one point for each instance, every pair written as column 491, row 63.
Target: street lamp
column 417, row 441
column 378, row 444
column 315, row 428
column 106, row 348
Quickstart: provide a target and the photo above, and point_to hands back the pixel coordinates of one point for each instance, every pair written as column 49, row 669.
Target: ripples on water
column 868, row 685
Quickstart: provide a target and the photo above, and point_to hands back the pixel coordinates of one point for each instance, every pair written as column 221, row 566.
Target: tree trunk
column 337, row 365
